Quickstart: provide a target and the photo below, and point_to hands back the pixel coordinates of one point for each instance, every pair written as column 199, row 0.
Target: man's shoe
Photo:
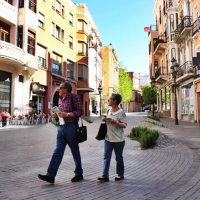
column 118, row 178
column 46, row 178
column 77, row 178
column 102, row 178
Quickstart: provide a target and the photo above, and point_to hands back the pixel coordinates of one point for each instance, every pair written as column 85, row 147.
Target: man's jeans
column 66, row 136
column 118, row 148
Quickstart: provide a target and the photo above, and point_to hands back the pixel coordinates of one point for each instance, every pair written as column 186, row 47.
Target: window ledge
column 41, row 28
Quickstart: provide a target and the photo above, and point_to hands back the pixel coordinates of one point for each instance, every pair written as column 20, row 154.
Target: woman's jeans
column 66, row 136
column 118, row 148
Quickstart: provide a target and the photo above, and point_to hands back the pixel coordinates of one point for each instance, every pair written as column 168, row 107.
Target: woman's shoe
column 118, row 178
column 102, row 178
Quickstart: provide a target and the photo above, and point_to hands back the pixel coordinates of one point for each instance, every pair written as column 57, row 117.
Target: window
column 187, row 100
column 82, row 72
column 171, row 23
column 52, row 28
column 70, row 70
column 41, row 52
column 70, row 19
column 82, row 26
column 57, row 32
column 4, row 32
column 58, row 6
column 82, row 48
column 21, row 3
column 41, row 20
column 20, row 37
column 31, row 43
column 9, row 1
column 20, row 79
column 63, row 11
column 32, row 5
column 71, row 42
column 62, row 35
column 56, row 64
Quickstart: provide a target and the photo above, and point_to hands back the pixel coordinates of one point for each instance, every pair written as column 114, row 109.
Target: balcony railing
column 8, row 11
column 57, row 71
column 196, row 26
column 186, row 68
column 161, row 71
column 160, row 39
column 186, row 22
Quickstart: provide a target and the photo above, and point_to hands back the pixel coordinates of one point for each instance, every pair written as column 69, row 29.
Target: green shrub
column 54, row 123
column 145, row 136
column 87, row 119
column 154, row 118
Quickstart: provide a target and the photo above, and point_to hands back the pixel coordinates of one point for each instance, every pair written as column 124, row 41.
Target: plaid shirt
column 66, row 106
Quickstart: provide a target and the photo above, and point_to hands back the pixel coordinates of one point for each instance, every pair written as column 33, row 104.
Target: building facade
column 175, row 36
column 18, row 61
column 110, row 74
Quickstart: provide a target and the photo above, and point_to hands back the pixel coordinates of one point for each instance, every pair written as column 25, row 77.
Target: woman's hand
column 113, row 121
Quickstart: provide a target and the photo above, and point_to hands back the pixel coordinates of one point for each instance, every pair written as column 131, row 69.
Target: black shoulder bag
column 102, row 131
column 81, row 132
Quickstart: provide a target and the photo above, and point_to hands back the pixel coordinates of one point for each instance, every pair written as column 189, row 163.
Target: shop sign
column 37, row 88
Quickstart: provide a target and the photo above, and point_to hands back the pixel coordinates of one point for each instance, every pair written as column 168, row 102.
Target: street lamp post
column 100, row 90
column 174, row 72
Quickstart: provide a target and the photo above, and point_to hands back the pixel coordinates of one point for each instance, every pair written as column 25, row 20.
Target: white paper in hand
column 56, row 110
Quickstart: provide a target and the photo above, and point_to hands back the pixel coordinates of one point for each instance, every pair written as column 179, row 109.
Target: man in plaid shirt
column 71, row 109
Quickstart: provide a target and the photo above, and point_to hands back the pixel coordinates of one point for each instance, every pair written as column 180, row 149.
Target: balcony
column 185, row 71
column 15, row 56
column 161, row 75
column 31, row 18
column 196, row 27
column 160, row 45
column 183, row 29
column 8, row 12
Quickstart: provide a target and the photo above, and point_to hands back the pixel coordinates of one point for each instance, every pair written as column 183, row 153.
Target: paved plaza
column 169, row 171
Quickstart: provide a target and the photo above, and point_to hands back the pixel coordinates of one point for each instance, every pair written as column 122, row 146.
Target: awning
column 85, row 89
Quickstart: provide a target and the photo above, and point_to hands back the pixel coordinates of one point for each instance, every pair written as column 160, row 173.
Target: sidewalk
column 168, row 171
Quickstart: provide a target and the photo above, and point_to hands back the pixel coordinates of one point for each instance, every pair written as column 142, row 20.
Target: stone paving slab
column 166, row 172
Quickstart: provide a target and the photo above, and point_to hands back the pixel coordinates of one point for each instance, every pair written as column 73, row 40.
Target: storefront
column 36, row 104
column 5, row 91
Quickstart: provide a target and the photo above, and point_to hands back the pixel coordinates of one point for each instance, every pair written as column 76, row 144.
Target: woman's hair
column 68, row 86
column 117, row 97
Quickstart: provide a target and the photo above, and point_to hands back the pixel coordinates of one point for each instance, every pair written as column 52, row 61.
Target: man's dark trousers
column 66, row 136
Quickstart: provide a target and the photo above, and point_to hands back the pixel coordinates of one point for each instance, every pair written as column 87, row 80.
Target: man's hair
column 6, row 110
column 68, row 86
column 117, row 97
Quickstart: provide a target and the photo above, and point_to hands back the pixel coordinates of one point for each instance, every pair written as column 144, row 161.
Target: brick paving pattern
column 168, row 171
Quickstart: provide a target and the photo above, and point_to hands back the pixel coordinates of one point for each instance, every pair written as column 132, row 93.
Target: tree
column 149, row 95
column 125, row 87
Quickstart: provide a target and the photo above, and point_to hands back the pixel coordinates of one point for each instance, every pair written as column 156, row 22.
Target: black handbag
column 102, row 132
column 81, row 133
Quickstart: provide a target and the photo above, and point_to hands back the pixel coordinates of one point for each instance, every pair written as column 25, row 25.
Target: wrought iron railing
column 186, row 22
column 196, row 26
column 161, row 71
column 160, row 39
column 186, row 68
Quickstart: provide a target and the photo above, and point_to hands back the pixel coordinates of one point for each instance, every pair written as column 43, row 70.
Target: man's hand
column 54, row 115
column 62, row 114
